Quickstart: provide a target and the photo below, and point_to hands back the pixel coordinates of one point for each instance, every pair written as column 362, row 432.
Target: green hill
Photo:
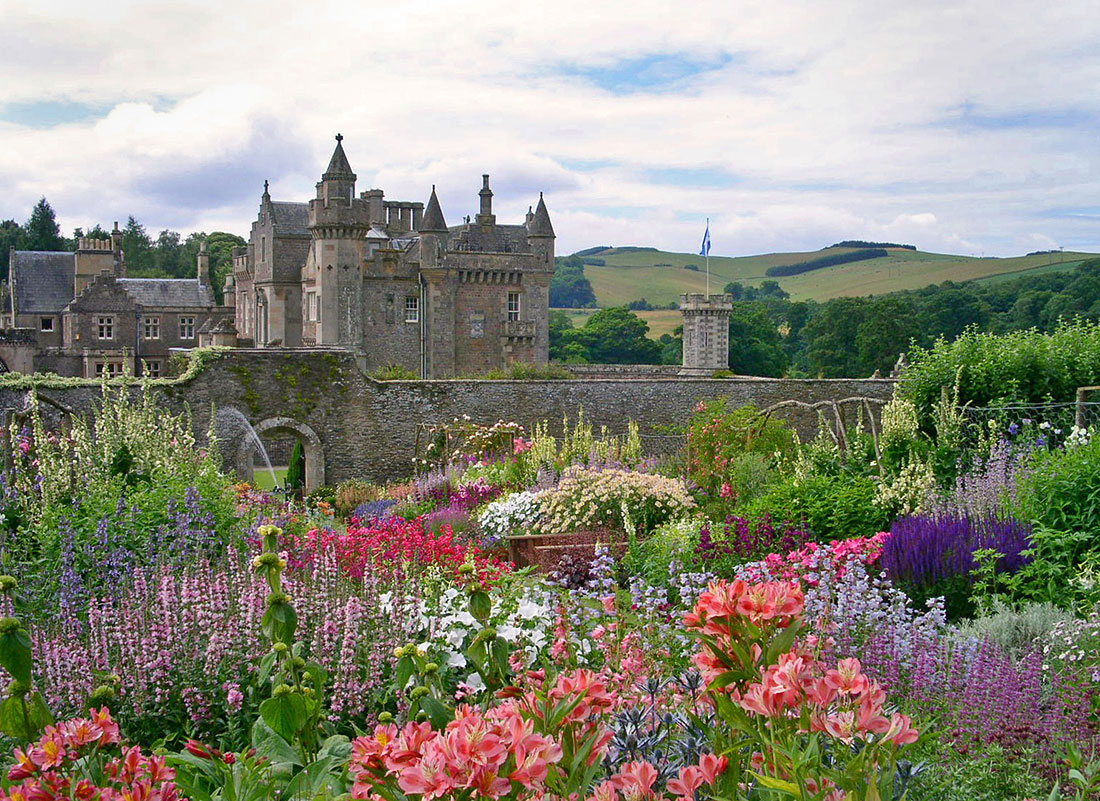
column 659, row 276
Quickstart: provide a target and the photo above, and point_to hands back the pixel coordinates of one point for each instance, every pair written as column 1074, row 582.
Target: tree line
column 168, row 255
column 849, row 337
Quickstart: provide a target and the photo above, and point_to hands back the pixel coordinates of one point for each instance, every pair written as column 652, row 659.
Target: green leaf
column 481, row 606
column 405, row 668
column 270, row 745
column 15, row 654
column 279, row 623
column 438, row 714
column 14, row 722
column 311, row 779
column 777, row 784
column 285, row 714
column 338, row 746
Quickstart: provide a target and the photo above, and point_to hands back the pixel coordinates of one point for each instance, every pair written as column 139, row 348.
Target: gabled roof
column 168, row 292
column 43, row 282
column 540, row 225
column 433, row 215
column 290, row 219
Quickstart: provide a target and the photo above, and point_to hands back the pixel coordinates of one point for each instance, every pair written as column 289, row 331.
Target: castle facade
column 391, row 281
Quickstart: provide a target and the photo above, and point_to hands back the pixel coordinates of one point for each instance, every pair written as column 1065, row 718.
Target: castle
column 390, row 280
column 78, row 314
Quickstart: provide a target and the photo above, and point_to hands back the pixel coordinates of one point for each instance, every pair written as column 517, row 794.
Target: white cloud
column 965, row 126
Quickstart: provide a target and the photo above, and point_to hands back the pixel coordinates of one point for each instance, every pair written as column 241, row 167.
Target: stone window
column 152, row 328
column 412, row 309
column 313, row 307
column 263, row 248
column 110, row 368
column 47, row 324
column 704, row 338
column 513, row 306
column 105, row 326
column 187, row 327
column 152, row 369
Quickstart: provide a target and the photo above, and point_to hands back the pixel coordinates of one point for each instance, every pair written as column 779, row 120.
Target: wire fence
column 1060, row 418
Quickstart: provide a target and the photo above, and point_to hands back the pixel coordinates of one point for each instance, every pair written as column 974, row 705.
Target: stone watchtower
column 706, row 333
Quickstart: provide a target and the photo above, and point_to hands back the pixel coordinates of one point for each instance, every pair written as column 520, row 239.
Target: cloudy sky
column 967, row 126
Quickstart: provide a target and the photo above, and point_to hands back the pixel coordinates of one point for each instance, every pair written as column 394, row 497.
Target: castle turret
column 338, row 224
column 93, row 258
column 486, row 216
column 433, row 234
column 540, row 234
column 338, row 182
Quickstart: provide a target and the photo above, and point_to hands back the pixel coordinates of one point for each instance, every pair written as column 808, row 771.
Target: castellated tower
column 338, row 224
column 706, row 333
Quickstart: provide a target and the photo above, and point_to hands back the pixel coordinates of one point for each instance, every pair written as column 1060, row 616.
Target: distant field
column 262, row 478
column 660, row 277
column 661, row 321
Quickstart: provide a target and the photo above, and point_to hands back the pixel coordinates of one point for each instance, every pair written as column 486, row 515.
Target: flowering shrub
column 936, row 554
column 717, row 435
column 80, row 759
column 813, row 558
column 587, row 499
column 510, row 514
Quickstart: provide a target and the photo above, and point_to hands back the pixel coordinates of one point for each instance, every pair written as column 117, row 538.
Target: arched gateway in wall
column 311, row 444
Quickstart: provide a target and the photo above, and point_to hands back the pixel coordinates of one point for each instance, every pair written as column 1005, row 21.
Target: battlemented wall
column 362, row 428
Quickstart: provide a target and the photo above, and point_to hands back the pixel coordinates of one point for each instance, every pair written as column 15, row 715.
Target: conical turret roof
column 338, row 166
column 540, row 225
column 433, row 216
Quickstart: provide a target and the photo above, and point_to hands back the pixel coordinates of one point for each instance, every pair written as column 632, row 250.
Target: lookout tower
column 706, row 333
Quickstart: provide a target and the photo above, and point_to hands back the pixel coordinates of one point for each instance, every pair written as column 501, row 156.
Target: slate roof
column 338, row 166
column 43, row 282
column 291, row 219
column 168, row 292
column 540, row 225
column 433, row 215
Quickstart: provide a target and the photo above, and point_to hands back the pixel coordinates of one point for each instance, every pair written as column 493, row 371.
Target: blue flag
column 705, row 249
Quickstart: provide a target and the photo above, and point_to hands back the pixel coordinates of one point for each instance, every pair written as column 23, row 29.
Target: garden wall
column 352, row 426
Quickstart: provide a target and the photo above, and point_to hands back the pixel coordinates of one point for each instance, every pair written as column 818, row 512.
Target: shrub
column 718, row 435
column 1017, row 367
column 587, row 499
column 1019, row 632
column 522, row 371
column 507, row 516
column 828, row 508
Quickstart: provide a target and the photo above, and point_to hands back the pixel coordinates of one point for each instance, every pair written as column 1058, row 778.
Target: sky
column 964, row 127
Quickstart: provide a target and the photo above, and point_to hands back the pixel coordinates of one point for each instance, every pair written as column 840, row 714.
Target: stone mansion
column 392, row 281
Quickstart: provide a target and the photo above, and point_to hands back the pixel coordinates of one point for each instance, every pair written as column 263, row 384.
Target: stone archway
column 311, row 444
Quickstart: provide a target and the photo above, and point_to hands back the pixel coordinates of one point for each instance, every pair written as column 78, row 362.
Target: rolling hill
column 660, row 276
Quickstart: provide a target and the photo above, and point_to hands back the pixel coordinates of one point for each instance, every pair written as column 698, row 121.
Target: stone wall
column 354, row 427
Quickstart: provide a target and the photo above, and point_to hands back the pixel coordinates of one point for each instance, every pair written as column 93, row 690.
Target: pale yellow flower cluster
column 586, row 499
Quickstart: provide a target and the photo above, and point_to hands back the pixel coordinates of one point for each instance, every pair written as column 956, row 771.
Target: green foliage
column 570, row 289
column 1017, row 631
column 524, row 371
column 755, row 344
column 42, row 231
column 116, row 480
column 718, row 435
column 610, row 336
column 296, row 470
column 1020, row 366
column 828, row 508
column 989, row 775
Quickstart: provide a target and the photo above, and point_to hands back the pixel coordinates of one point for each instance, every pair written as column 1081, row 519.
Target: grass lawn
column 262, row 479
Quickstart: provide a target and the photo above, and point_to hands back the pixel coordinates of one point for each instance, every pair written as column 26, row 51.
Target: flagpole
column 708, row 259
